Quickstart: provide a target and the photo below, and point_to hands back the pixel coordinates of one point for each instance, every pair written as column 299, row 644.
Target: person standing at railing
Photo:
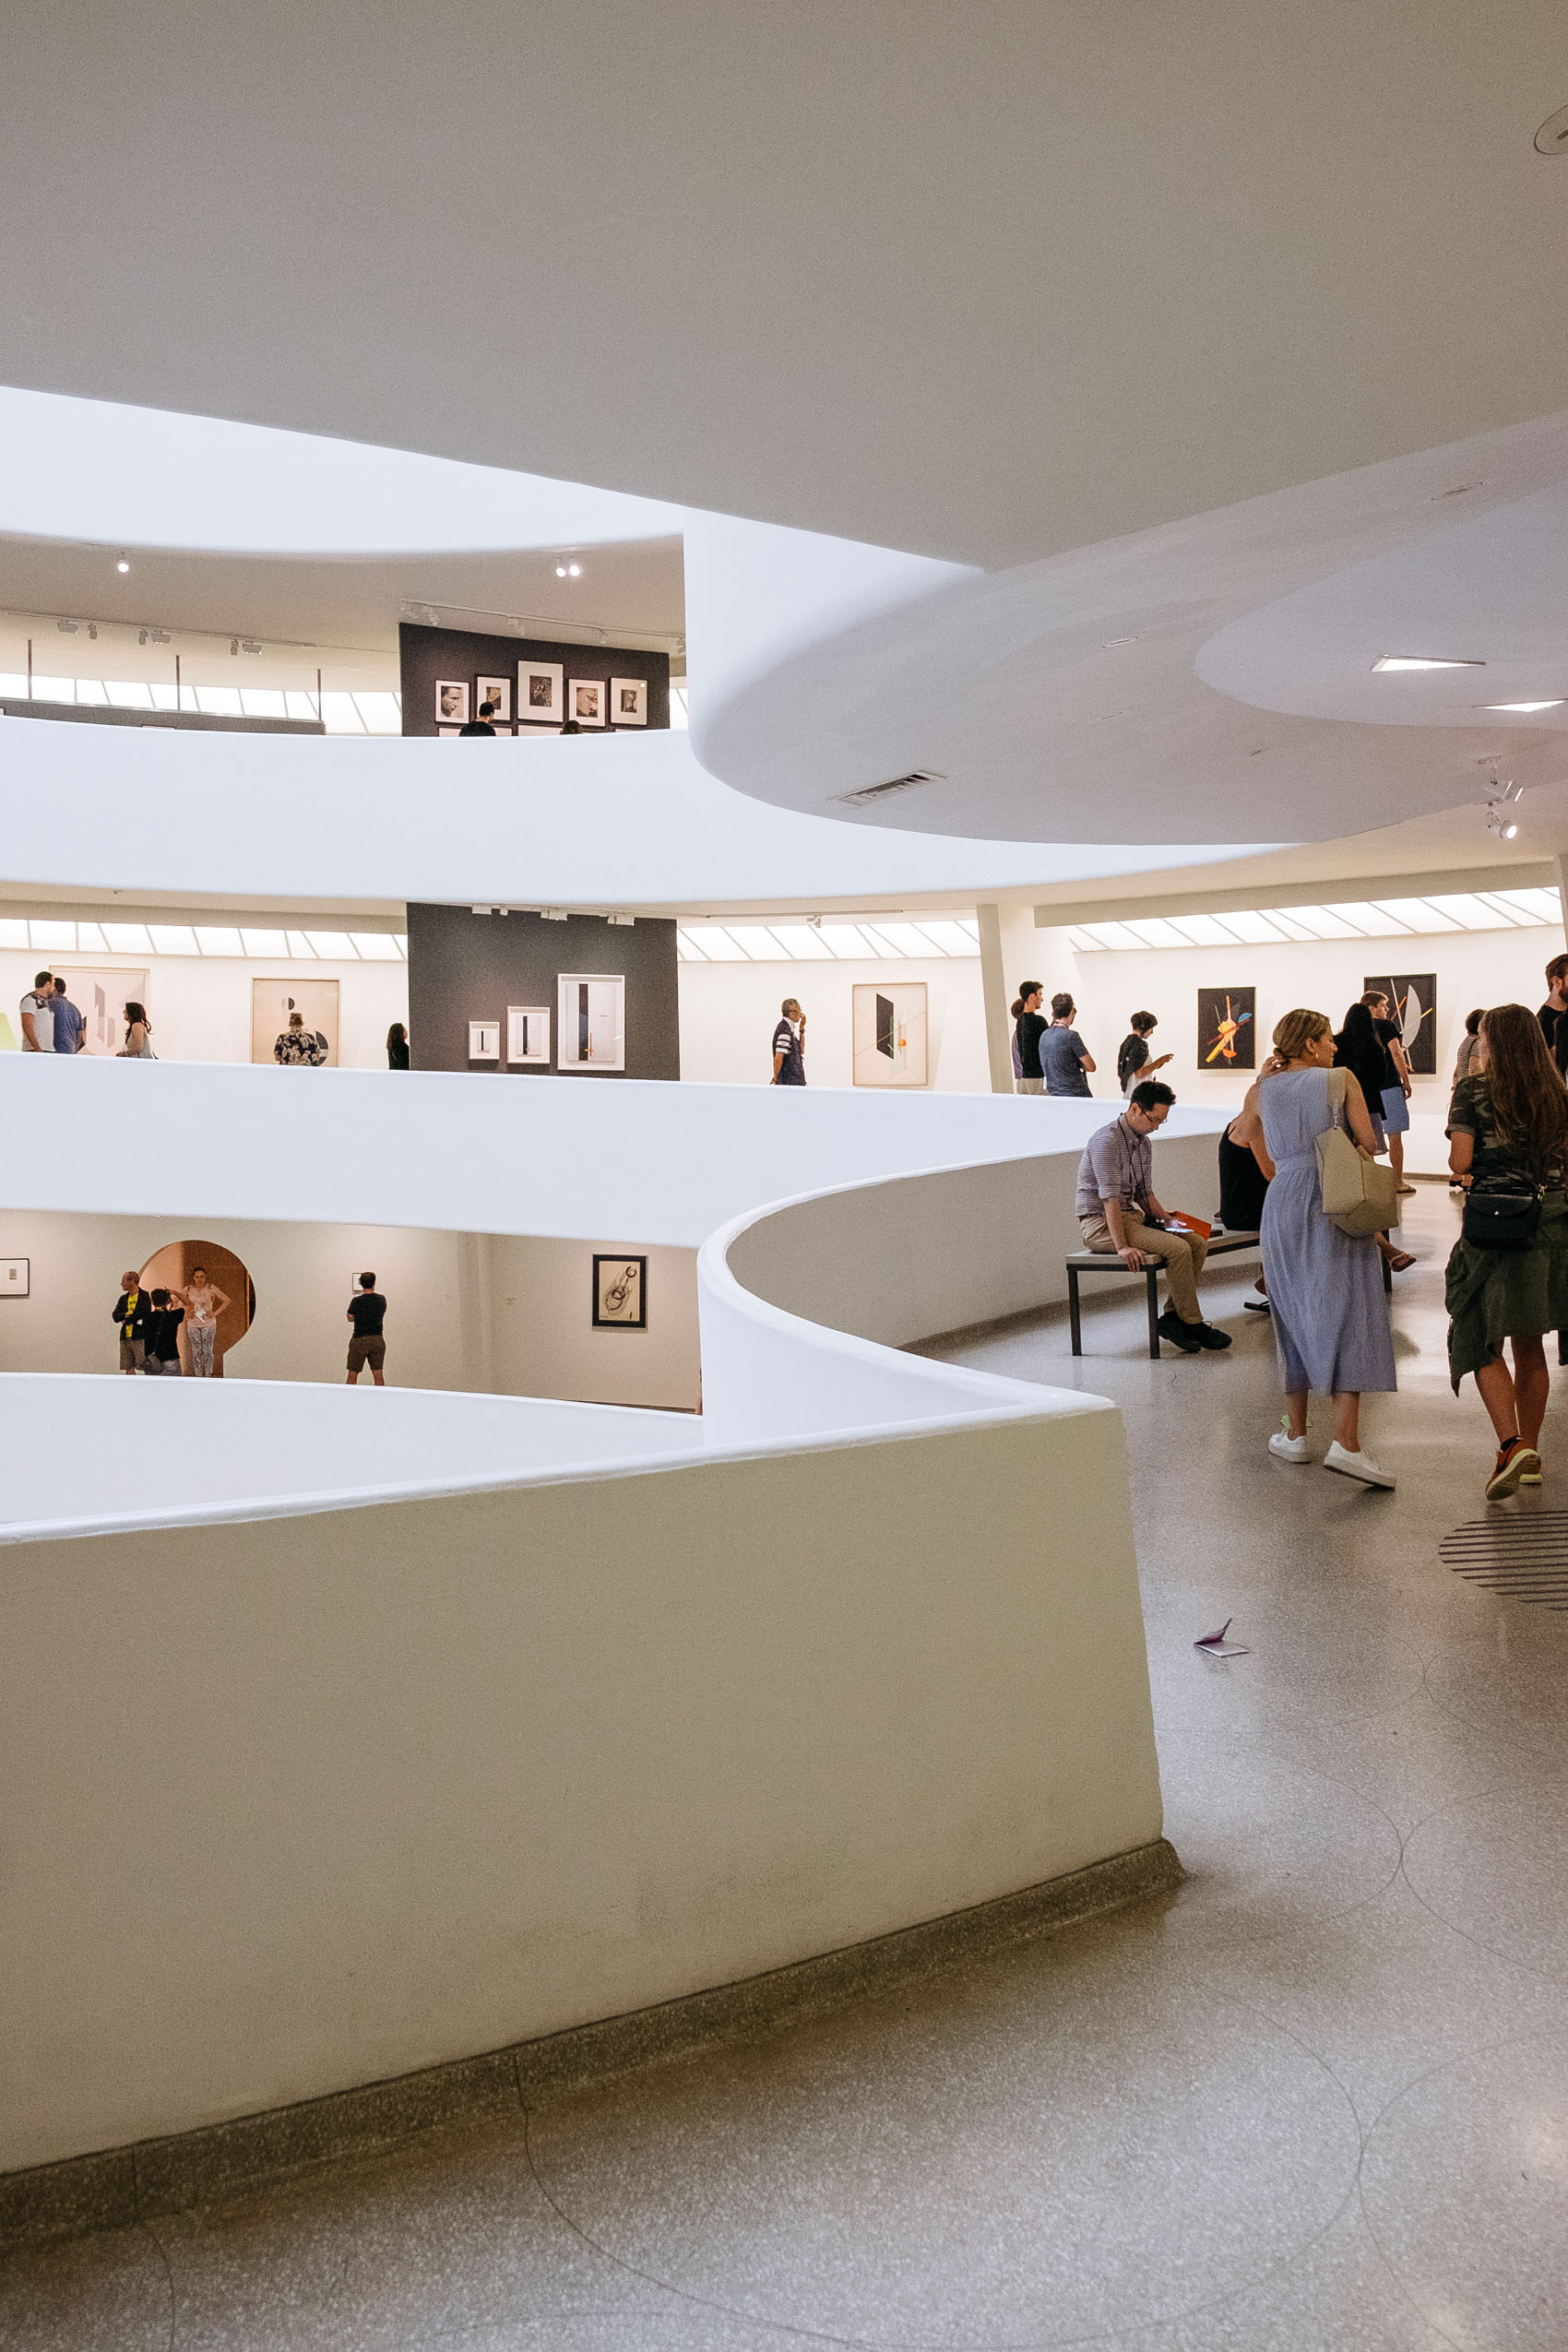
column 70, row 1029
column 38, row 1016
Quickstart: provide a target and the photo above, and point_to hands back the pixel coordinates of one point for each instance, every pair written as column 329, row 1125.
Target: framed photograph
column 628, row 702
column 1228, row 1029
column 591, row 1021
column 1412, row 1001
column 620, row 1294
column 497, row 691
column 451, row 701
column 586, row 700
column 527, row 1033
column 888, row 1023
column 449, row 730
column 484, row 1040
column 15, row 1277
column 541, row 700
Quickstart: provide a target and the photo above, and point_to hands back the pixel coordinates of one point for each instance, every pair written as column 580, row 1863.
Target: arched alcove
column 170, row 1269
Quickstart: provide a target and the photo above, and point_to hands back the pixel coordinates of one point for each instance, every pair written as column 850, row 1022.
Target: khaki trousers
column 1183, row 1256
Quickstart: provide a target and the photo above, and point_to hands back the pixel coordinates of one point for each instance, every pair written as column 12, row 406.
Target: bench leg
column 1153, row 1278
column 1072, row 1310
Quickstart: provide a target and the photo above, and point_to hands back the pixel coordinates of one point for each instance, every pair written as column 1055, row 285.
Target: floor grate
column 1524, row 1558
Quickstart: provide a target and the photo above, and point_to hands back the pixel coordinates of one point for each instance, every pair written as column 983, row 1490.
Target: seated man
column 1118, row 1212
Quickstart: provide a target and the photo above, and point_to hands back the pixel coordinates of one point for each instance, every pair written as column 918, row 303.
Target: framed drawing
column 484, row 1040
column 591, row 1021
column 101, row 995
column 540, row 696
column 527, row 1033
column 497, row 691
column 1228, row 1029
column 586, row 701
column 888, row 1028
column 620, row 1294
column 1412, row 1001
column 449, row 730
column 628, row 702
column 451, row 701
column 272, row 1001
column 15, row 1277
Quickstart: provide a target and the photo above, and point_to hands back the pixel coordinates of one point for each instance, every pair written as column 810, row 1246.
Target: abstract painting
column 527, row 1033
column 888, row 1033
column 272, row 1001
column 1412, row 1001
column 484, row 1040
column 1228, row 1029
column 591, row 1021
column 539, row 695
column 15, row 1277
column 620, row 1294
column 628, row 702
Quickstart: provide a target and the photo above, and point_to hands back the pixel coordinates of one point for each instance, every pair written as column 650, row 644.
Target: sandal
column 1399, row 1261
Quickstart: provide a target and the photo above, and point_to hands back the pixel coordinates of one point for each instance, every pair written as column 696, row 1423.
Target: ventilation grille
column 894, row 784
column 1524, row 1558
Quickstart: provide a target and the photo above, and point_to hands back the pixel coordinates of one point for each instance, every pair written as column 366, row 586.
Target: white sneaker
column 1356, row 1466
column 1286, row 1448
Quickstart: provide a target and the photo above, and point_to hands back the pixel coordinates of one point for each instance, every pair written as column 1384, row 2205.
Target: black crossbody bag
column 1501, row 1220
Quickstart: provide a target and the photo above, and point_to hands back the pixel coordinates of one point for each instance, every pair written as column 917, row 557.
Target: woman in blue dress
column 1325, row 1285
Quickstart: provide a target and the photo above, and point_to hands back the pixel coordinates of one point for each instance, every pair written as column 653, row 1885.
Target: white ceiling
column 988, row 282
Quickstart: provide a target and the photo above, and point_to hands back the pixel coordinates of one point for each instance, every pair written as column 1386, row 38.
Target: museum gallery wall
column 522, row 995
column 536, row 684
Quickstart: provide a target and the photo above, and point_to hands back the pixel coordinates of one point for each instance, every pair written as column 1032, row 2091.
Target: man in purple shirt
column 1119, row 1213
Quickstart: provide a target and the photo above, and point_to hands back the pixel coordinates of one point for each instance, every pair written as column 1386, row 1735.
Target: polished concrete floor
column 1317, row 2099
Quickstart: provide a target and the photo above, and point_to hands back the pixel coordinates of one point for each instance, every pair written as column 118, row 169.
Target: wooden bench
column 1082, row 1261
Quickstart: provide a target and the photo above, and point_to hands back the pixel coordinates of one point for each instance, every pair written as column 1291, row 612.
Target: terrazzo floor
column 1318, row 2098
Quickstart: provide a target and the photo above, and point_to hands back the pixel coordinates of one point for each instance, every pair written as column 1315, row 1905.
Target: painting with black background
column 1412, row 1001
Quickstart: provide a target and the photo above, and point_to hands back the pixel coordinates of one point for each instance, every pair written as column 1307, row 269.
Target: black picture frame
column 619, row 1271
column 1420, row 1048
column 1228, row 1015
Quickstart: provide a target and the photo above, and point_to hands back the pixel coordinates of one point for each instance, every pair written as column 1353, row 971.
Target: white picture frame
column 527, row 1035
column 591, row 1022
column 450, row 730
column 628, row 702
column 541, row 693
column 15, row 1277
column 888, row 1024
column 451, row 701
column 588, row 700
column 484, row 1040
column 499, row 692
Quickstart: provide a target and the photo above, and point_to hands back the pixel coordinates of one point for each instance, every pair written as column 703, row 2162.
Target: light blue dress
column 1325, row 1285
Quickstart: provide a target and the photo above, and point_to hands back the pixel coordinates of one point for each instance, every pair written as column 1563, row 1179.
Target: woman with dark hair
column 1508, row 1271
column 138, row 1035
column 1358, row 1047
column 1028, row 1027
column 1470, row 1057
column 397, row 1047
column 1132, row 1062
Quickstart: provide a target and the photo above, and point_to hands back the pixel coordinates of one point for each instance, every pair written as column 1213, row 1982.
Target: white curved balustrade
column 346, row 1733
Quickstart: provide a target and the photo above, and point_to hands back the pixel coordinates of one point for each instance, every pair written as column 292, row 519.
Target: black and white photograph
column 620, row 1294
column 628, row 702
column 1412, row 1003
column 497, row 692
column 586, row 698
column 540, row 701
column 452, row 702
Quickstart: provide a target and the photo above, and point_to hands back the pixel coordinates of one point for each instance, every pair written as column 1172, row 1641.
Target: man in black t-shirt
column 790, row 1045
column 1030, row 1026
column 480, row 726
column 367, row 1313
column 1554, row 1026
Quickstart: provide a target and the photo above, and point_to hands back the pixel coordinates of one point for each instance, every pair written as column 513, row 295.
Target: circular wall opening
column 170, row 1268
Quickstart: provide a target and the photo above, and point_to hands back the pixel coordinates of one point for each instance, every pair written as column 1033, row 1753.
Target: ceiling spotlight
column 92, row 631
column 159, row 637
column 1423, row 661
column 560, row 571
column 575, row 571
column 121, row 566
column 1503, row 826
column 234, row 645
column 1556, row 704
column 249, row 645
column 69, row 627
column 142, row 638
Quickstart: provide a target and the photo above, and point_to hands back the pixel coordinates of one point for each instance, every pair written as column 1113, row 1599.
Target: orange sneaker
column 1516, row 1463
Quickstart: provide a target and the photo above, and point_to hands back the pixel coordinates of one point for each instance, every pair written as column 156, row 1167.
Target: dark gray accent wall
column 426, row 655
column 464, row 966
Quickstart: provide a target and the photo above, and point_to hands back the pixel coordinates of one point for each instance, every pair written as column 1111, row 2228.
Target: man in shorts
column 367, row 1313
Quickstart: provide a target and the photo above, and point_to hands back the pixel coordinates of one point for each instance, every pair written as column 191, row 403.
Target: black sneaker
column 1180, row 1334
column 1207, row 1336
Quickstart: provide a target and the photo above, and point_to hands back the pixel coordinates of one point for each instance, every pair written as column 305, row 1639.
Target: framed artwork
column 484, row 1040
column 541, row 695
column 591, row 1021
column 888, row 1027
column 15, row 1277
column 1412, row 1001
column 1228, row 1029
column 586, row 701
column 272, row 1001
column 628, row 702
column 620, row 1294
column 452, row 702
column 527, row 1033
column 497, row 691
column 101, row 994
column 449, row 730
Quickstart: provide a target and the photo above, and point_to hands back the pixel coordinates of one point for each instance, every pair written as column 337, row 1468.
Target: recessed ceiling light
column 560, row 571
column 1422, row 661
column 576, row 571
column 1556, row 704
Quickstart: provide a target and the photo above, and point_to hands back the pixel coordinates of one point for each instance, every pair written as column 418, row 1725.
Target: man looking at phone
column 1118, row 1214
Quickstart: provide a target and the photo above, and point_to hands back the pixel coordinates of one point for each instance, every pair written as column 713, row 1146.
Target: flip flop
column 1399, row 1261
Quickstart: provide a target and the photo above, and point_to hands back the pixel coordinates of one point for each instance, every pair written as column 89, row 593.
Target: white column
column 993, row 989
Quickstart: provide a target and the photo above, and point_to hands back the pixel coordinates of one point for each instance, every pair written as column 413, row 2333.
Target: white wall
column 200, row 1005
column 465, row 1311
column 729, row 1013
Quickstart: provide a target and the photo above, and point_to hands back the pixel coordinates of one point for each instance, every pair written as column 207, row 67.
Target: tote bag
column 1358, row 1196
